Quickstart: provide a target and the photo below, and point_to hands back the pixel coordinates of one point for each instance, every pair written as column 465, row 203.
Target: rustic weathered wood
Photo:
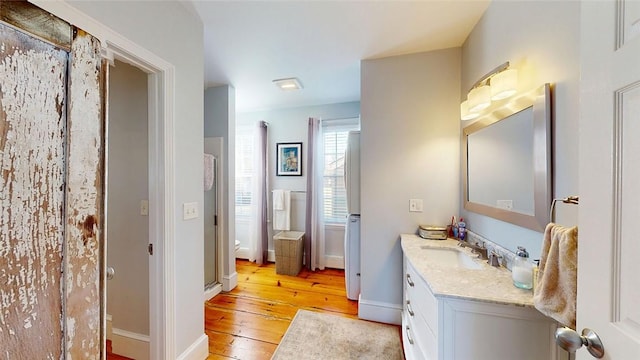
column 37, row 22
column 84, row 201
column 51, row 188
column 32, row 150
column 249, row 322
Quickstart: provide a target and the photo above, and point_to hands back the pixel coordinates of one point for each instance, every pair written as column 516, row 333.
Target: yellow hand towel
column 555, row 295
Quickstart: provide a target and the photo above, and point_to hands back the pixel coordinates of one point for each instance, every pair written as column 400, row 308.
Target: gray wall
column 127, row 184
column 540, row 39
column 410, row 149
column 219, row 121
column 291, row 125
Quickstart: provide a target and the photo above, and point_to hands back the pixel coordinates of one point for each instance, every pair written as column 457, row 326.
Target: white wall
column 540, row 39
column 127, row 184
column 410, row 150
column 291, row 125
column 219, row 121
column 169, row 31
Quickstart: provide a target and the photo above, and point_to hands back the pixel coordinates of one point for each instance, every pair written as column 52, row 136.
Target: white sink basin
column 449, row 257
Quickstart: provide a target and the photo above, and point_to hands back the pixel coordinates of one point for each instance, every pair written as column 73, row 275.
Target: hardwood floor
column 249, row 322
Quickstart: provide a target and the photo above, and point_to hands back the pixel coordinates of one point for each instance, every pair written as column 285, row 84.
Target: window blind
column 335, row 144
column 244, row 170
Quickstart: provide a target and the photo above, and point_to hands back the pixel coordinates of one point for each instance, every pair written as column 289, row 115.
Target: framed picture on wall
column 289, row 159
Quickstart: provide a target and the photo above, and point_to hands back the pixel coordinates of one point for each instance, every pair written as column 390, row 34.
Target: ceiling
column 249, row 44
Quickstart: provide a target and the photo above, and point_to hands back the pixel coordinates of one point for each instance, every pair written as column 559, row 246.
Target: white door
column 609, row 171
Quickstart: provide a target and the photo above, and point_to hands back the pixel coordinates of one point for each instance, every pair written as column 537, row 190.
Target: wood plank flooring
column 249, row 322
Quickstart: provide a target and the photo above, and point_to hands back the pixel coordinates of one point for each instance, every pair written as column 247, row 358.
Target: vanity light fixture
column 504, row 84
column 288, row 84
column 479, row 98
column 500, row 83
column 465, row 114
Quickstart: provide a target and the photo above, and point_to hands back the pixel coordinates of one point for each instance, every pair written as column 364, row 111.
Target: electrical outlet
column 144, row 207
column 415, row 205
column 504, row 204
column 190, row 210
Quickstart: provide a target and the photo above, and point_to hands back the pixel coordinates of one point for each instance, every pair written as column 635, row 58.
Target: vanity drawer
column 413, row 350
column 421, row 300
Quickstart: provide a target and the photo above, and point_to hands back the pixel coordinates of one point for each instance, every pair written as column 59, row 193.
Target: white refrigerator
column 352, row 228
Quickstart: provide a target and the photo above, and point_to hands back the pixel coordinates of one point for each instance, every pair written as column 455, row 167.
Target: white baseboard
column 109, row 327
column 243, row 253
column 199, row 350
column 130, row 344
column 230, row 282
column 212, row 291
column 331, row 261
column 379, row 311
column 334, row 261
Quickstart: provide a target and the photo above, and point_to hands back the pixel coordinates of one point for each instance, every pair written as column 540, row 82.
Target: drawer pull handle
column 409, row 280
column 409, row 335
column 409, row 309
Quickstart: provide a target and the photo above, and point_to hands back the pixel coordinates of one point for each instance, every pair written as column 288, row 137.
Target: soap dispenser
column 522, row 269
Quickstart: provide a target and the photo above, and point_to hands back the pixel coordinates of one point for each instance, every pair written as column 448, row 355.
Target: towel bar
column 568, row 200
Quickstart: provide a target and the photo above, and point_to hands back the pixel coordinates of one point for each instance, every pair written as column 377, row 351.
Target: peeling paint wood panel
column 84, row 201
column 32, row 146
column 24, row 15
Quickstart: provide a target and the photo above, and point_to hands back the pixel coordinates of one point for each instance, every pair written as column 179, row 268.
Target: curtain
column 314, row 227
column 259, row 235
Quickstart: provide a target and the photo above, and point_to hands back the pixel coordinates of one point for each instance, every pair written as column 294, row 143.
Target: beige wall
column 540, row 39
column 410, row 149
column 127, row 184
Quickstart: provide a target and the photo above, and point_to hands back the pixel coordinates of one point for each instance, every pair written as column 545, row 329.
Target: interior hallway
column 250, row 321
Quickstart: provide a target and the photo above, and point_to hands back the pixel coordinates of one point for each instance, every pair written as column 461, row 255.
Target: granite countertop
column 488, row 284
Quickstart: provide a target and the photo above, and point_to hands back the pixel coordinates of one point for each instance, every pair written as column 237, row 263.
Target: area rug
column 313, row 336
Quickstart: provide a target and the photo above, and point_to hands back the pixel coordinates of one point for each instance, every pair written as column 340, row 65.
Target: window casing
column 334, row 134
column 245, row 143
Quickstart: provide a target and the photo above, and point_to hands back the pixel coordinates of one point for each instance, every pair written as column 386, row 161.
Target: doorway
column 213, row 250
column 127, row 211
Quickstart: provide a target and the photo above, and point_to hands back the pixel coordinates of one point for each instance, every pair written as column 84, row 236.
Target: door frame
column 161, row 80
column 218, row 144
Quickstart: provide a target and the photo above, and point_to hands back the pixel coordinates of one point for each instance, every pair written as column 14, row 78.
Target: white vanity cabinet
column 419, row 317
column 453, row 328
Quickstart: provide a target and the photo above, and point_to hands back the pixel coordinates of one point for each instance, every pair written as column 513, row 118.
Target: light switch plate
column 415, row 205
column 190, row 210
column 504, row 204
column 144, row 207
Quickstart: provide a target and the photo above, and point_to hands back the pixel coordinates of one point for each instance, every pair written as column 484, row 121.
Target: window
column 334, row 133
column 244, row 170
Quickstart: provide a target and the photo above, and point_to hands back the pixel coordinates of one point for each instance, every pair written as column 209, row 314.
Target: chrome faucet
column 475, row 248
column 494, row 259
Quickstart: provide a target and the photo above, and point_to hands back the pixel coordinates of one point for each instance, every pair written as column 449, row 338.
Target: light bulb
column 479, row 98
column 504, row 84
column 465, row 114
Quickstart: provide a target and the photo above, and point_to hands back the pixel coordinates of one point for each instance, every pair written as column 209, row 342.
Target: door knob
column 111, row 272
column 571, row 341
